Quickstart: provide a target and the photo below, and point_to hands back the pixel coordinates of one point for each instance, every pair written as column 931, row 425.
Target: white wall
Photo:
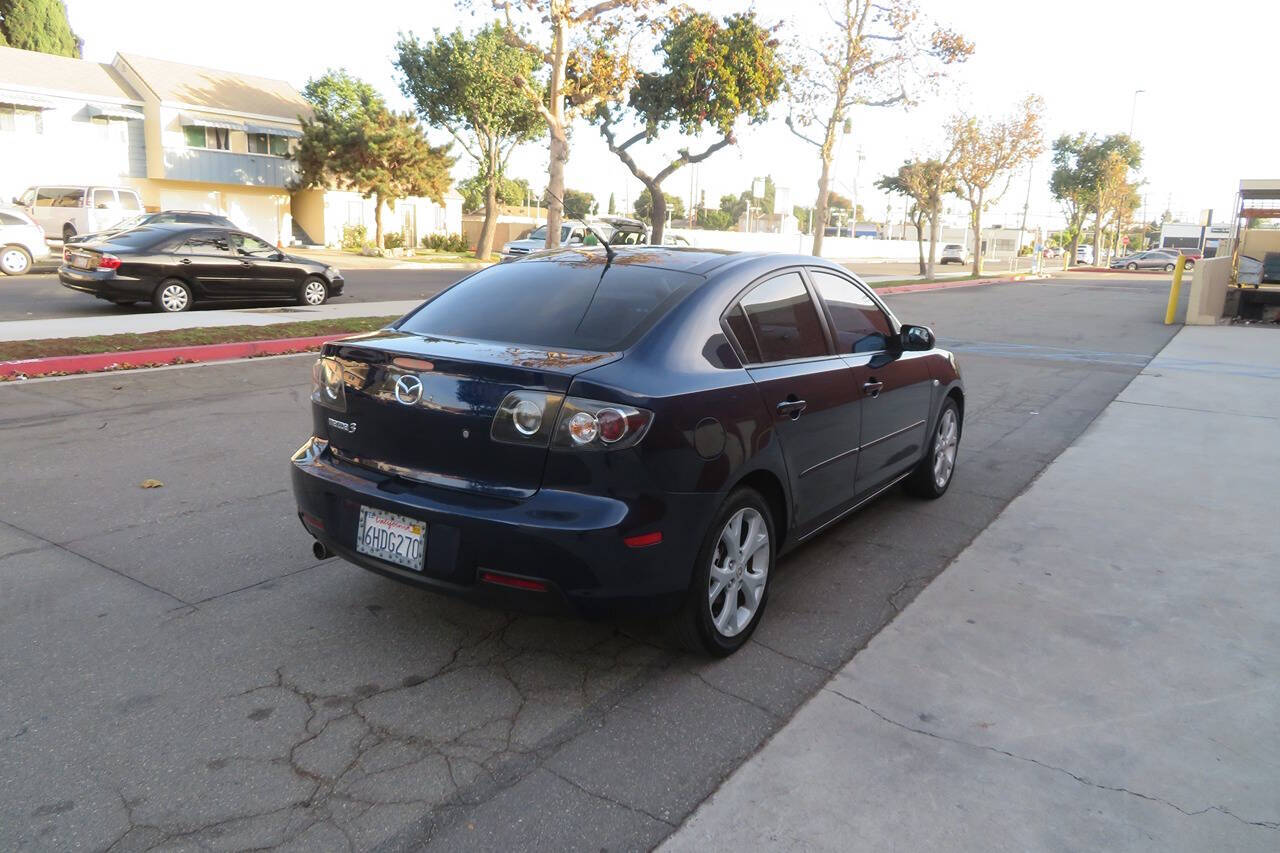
column 70, row 149
column 835, row 248
column 342, row 208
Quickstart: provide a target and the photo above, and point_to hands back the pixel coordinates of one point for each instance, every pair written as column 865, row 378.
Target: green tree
column 984, row 152
column 354, row 142
column 1090, row 176
column 613, row 205
column 713, row 72
column 923, row 183
column 464, row 85
column 644, row 207
column 511, row 191
column 578, row 204
column 876, row 55
column 583, row 48
column 39, row 25
column 715, row 220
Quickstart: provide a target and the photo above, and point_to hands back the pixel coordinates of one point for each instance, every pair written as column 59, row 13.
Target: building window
column 19, row 119
column 217, row 138
column 266, row 143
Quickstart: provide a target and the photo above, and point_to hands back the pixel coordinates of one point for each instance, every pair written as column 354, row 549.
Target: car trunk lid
column 439, row 432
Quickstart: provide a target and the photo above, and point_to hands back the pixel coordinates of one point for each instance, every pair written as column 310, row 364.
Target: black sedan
column 643, row 431
column 176, row 266
column 163, row 217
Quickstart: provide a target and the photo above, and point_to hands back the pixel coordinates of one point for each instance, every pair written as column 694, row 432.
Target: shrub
column 445, row 242
column 393, row 240
column 354, row 236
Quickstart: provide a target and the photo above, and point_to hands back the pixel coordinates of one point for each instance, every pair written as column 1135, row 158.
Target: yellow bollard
column 1174, row 288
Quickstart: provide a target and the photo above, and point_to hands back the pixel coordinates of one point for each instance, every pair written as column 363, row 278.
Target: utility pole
column 1025, row 206
column 1133, row 112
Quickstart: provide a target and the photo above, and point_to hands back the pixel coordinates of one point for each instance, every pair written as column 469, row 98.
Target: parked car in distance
column 164, row 217
column 21, row 241
column 1084, row 255
column 1053, row 252
column 645, row 432
column 953, row 253
column 674, row 240
column 175, row 266
column 1154, row 259
column 66, row 210
column 618, row 230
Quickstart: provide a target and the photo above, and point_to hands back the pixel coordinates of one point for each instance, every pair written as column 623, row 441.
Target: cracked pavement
column 181, row 674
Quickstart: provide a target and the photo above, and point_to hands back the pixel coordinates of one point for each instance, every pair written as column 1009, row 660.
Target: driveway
column 180, row 670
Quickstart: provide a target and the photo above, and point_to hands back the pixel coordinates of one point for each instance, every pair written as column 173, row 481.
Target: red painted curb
column 94, row 362
column 943, row 285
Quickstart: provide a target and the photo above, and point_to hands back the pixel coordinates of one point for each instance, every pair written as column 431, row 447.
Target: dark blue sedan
column 640, row 431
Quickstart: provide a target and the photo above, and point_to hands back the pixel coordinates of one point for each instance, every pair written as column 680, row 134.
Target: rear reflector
column 311, row 521
column 512, row 581
column 644, row 540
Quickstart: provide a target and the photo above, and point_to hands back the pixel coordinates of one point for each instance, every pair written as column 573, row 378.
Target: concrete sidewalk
column 1100, row 669
column 120, row 324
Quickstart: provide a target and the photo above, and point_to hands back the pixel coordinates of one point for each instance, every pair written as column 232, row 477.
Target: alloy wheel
column 14, row 261
column 174, row 298
column 739, row 572
column 944, row 447
column 314, row 293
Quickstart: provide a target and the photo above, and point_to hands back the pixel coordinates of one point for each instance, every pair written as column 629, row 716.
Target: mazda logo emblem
column 409, row 390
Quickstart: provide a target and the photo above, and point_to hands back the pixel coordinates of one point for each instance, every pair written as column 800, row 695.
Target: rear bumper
column 104, row 284
column 571, row 541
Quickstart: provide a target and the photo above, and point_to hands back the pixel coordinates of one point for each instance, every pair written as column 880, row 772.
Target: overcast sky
column 1207, row 117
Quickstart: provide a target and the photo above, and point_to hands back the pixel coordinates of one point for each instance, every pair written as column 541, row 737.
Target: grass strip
column 47, row 347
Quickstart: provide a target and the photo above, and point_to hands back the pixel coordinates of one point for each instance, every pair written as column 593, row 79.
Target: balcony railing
column 227, row 167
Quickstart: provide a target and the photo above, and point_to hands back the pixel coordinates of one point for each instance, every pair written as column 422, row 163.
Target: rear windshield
column 138, row 238
column 567, row 302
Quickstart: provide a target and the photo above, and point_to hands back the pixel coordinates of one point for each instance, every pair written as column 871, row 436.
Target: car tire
column 15, row 260
column 718, row 615
column 313, row 292
column 1168, row 267
column 173, row 296
column 932, row 477
column 1131, row 266
column 68, row 231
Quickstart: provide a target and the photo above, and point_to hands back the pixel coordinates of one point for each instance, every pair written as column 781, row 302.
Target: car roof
column 678, row 258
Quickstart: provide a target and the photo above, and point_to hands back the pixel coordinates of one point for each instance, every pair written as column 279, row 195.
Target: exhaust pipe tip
column 320, row 551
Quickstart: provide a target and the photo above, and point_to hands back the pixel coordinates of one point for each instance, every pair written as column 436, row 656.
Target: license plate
column 80, row 262
column 391, row 537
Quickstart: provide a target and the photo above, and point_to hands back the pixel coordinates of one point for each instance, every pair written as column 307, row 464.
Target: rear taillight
column 526, row 417
column 593, row 425
column 328, row 385
column 108, row 262
column 66, row 256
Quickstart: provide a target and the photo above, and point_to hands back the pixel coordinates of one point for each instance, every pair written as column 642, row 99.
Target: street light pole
column 1133, row 112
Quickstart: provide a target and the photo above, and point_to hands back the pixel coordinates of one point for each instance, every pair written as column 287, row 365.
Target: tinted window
column 205, row 244
column 571, row 302
column 860, row 325
column 784, row 319
column 245, row 244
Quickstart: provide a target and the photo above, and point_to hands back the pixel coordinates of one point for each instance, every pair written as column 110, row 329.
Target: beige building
column 186, row 137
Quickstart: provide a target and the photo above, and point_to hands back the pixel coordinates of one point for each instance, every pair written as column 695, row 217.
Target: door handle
column 246, row 263
column 792, row 408
column 185, row 261
column 872, row 387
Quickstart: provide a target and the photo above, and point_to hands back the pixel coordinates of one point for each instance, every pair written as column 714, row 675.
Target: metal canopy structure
column 1256, row 199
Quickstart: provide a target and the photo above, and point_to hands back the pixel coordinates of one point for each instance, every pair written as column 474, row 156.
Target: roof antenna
column 609, row 251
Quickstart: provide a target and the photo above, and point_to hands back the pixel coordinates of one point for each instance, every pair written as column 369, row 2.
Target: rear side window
column 569, row 301
column 7, row 219
column 104, row 199
column 129, row 201
column 783, row 320
column 859, row 324
column 205, row 244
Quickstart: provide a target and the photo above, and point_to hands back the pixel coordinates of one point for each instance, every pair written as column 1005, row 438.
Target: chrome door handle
column 792, row 408
column 185, row 261
column 872, row 387
column 246, row 263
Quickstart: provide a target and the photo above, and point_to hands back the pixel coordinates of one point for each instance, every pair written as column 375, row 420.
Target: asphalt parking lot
column 181, row 672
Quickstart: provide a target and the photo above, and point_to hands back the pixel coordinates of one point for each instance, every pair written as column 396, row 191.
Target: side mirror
column 917, row 338
column 277, row 256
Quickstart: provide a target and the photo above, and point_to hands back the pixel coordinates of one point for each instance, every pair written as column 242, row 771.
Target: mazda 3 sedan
column 175, row 266
column 645, row 430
